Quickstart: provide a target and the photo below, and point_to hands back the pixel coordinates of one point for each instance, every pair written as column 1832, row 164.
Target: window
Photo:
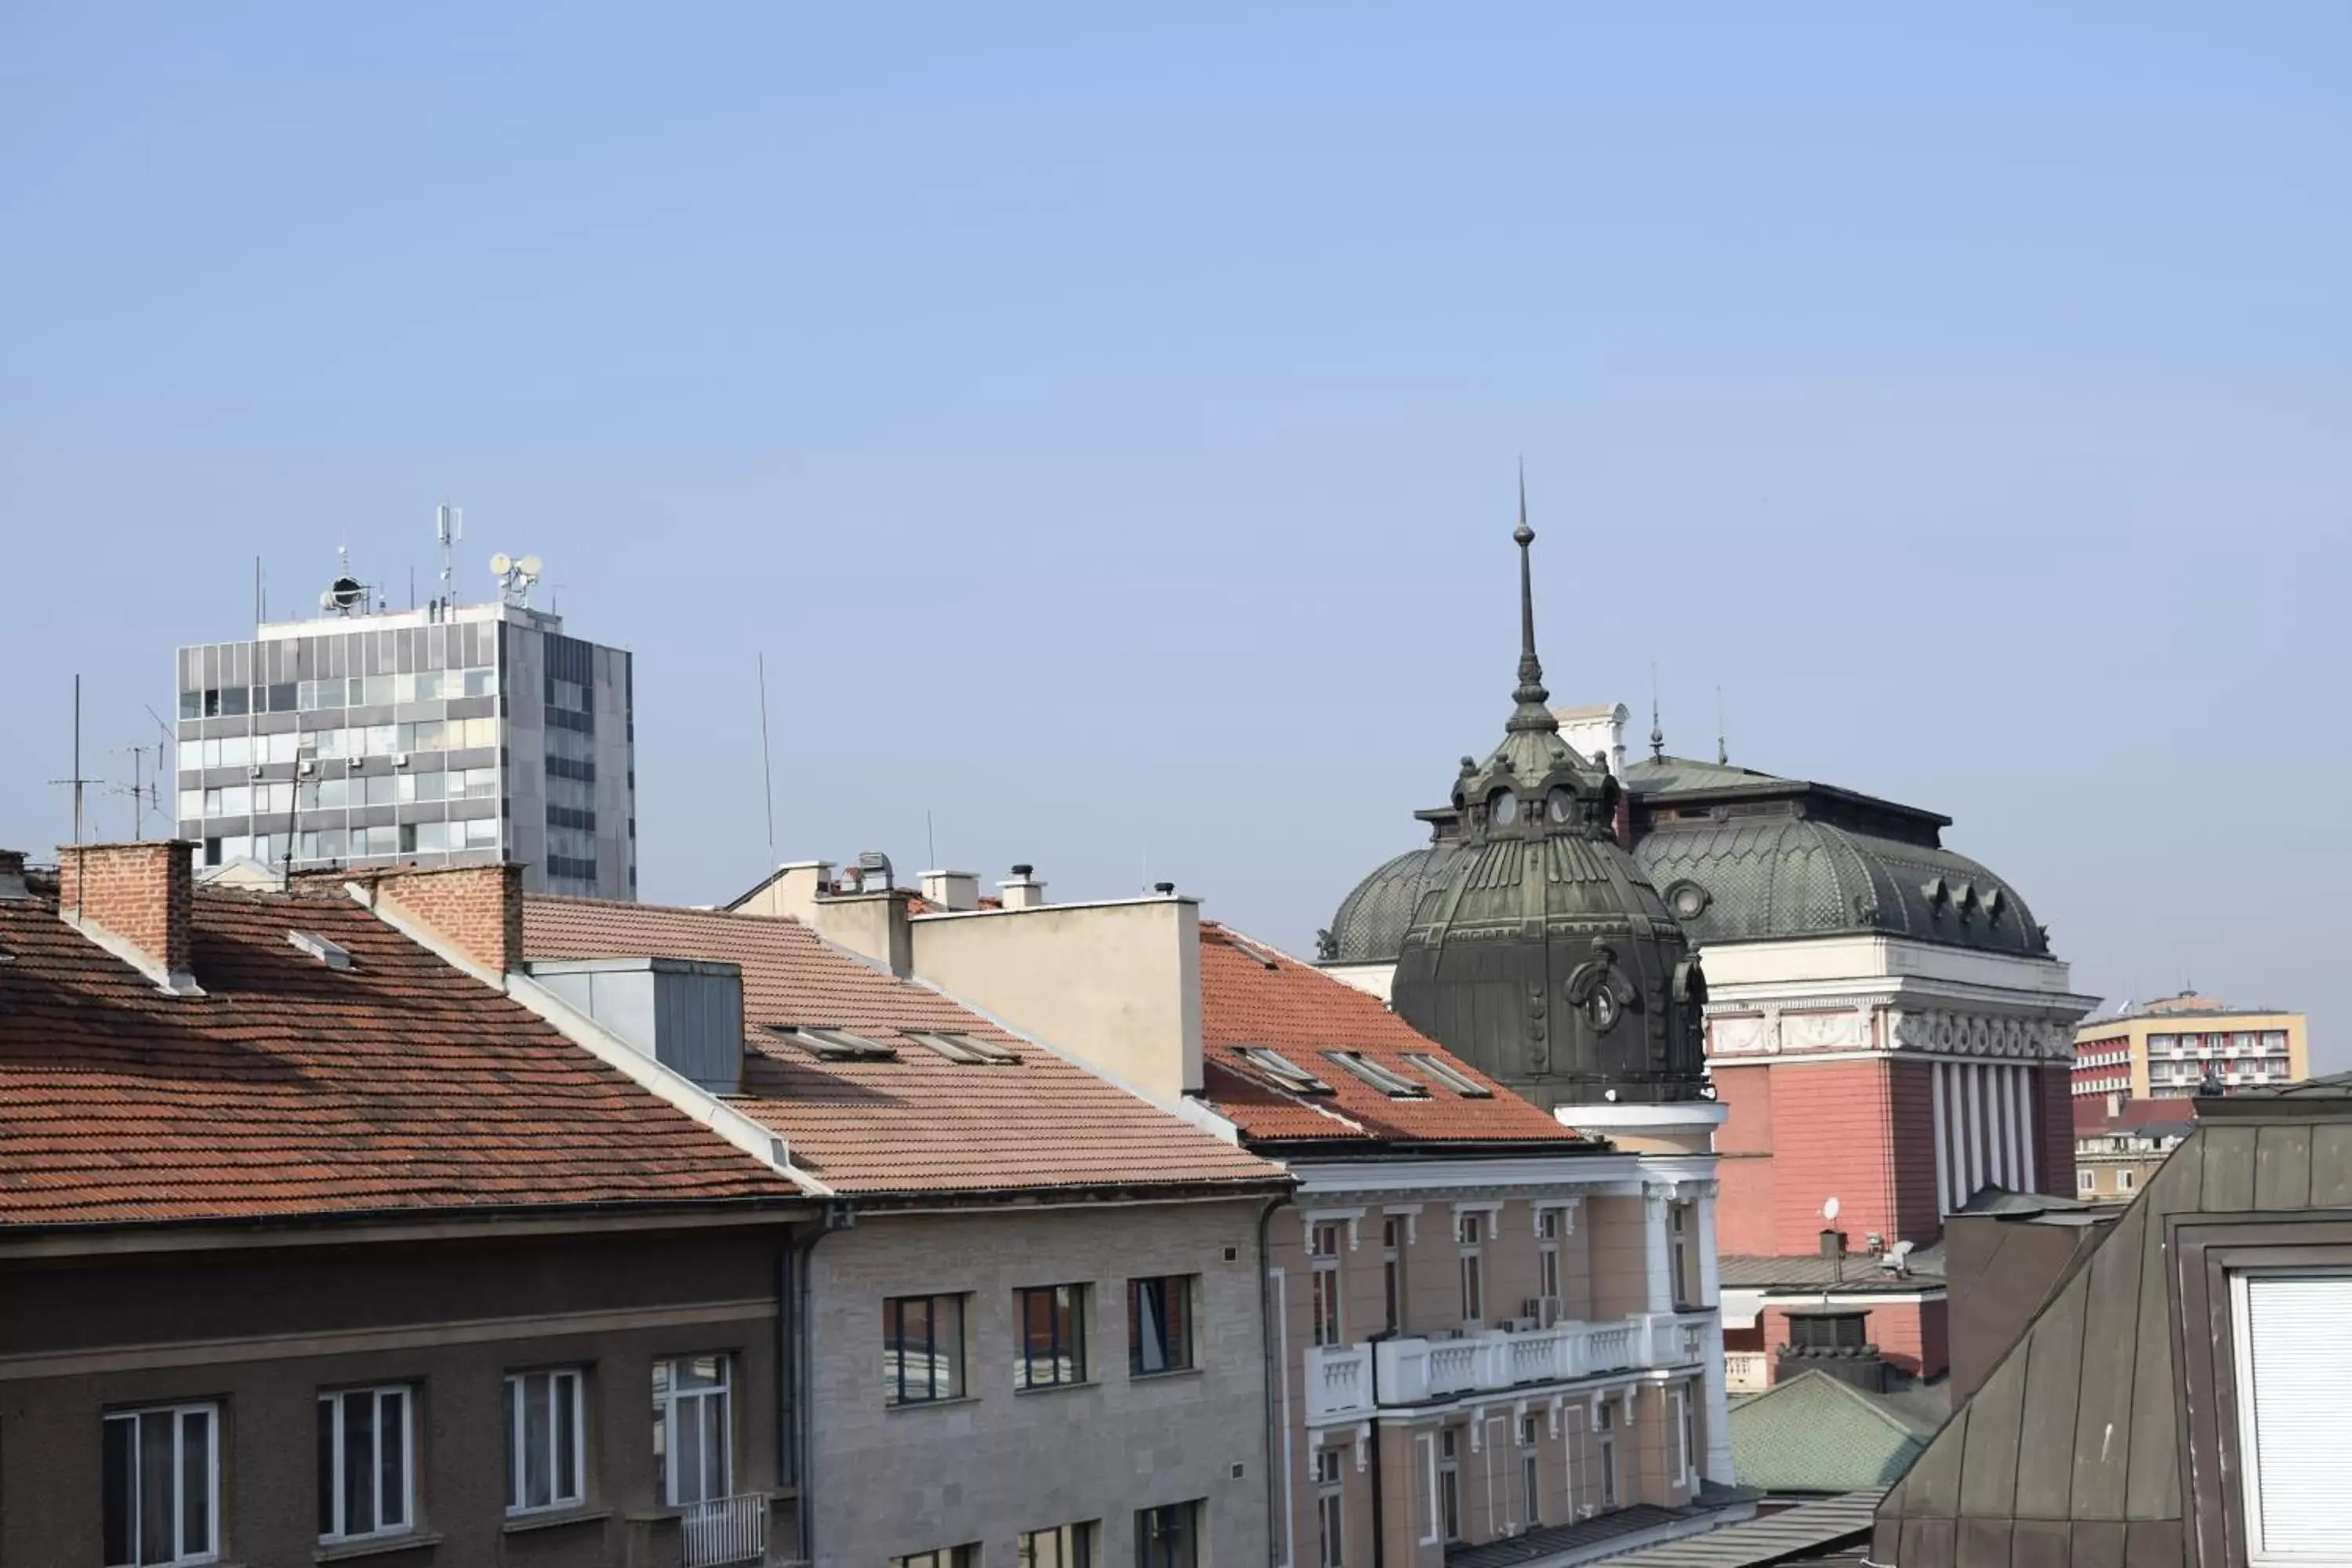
column 1449, row 1482
column 1531, row 1473
column 1053, row 1331
column 2087, row 1181
column 1547, row 1254
column 2293, row 1381
column 1282, row 1070
column 1330, row 1508
column 1387, row 1079
column 1158, row 1324
column 1471, row 1231
column 160, row 1493
column 1686, row 1447
column 1679, row 1253
column 366, row 1463
column 1392, row 1271
column 835, row 1044
column 943, row 1557
column 2123, row 1180
column 922, row 1349
column 694, row 1433
column 1604, row 1425
column 1323, row 1249
column 544, row 1440
column 968, row 1049
column 1451, row 1075
column 1169, row 1537
column 1064, row 1546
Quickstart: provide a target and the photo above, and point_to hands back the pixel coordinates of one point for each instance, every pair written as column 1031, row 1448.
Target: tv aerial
column 516, row 574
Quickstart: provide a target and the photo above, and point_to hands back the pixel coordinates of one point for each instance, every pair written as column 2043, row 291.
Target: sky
column 1104, row 421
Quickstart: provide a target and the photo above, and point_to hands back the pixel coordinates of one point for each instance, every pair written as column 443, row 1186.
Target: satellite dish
column 501, row 564
column 1830, row 1209
column 344, row 593
column 530, row 565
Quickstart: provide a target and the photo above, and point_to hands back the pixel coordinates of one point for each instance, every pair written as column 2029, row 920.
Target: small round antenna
column 529, row 566
column 1830, row 1208
column 501, row 564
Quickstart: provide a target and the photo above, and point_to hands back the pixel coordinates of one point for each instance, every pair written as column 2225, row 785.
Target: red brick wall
column 1912, row 1094
column 476, row 908
column 2055, row 1164
column 1833, row 1125
column 144, row 893
column 1744, row 1208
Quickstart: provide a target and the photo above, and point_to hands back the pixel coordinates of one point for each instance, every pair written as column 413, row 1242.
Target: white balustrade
column 1339, row 1380
column 1747, row 1372
column 1417, row 1371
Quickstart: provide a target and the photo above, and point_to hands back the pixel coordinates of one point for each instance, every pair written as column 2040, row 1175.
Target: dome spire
column 1657, row 733
column 1722, row 746
column 1532, row 713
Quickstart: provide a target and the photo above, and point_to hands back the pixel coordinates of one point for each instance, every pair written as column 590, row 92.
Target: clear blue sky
column 1104, row 422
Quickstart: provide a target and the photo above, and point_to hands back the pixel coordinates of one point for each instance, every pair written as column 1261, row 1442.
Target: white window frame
column 405, row 1396
column 2087, row 1180
column 1469, row 1234
column 670, row 1400
column 1682, row 1439
column 1530, row 1472
column 2123, row 1180
column 1325, row 1305
column 1448, row 1486
column 1604, row 1443
column 518, row 1480
column 1392, row 1229
column 2248, row 1446
column 1330, row 1508
column 210, row 1551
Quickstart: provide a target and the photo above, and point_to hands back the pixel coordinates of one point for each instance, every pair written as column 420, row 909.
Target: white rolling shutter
column 2295, row 1396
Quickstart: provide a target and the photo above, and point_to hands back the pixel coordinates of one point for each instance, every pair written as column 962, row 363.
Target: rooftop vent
column 334, row 955
column 1022, row 890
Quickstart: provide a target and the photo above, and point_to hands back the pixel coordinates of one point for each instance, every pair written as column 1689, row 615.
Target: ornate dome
column 1539, row 951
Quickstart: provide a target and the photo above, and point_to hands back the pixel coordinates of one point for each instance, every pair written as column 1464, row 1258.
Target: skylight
column 1389, row 1081
column 835, row 1044
column 1282, row 1070
column 1452, row 1077
column 968, row 1049
column 1257, row 950
column 332, row 955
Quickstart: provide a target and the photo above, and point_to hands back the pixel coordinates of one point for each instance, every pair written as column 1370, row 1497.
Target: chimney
column 475, row 909
column 136, row 902
column 1022, row 890
column 873, row 922
column 12, row 877
column 789, row 894
column 951, row 890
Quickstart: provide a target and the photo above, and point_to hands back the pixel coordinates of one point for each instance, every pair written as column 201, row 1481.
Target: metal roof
column 1791, row 1536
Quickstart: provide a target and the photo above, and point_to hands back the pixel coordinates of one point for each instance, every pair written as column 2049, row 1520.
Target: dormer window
column 1560, row 805
column 1282, row 1070
column 1503, row 808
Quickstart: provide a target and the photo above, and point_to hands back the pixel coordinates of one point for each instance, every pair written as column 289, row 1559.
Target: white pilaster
column 1717, row 1407
column 1656, row 1250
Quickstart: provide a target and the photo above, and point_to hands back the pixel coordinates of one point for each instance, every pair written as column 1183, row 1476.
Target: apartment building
column 1034, row 1328
column 2172, row 1048
column 1482, row 1325
column 2120, row 1142
column 314, row 1247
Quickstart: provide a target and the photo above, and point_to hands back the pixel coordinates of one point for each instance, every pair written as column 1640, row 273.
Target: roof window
column 1387, row 1079
column 1254, row 950
column 833, row 1044
column 1452, row 1077
column 968, row 1049
column 1282, row 1070
column 332, row 955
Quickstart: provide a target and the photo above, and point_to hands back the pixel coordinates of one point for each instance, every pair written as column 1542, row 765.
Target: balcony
column 724, row 1530
column 1747, row 1372
column 1419, row 1371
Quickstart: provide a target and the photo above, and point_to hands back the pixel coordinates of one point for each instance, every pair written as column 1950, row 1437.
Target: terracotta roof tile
column 1253, row 995
column 292, row 1089
column 922, row 1122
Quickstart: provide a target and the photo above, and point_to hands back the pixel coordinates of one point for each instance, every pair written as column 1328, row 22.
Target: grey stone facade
column 887, row 1481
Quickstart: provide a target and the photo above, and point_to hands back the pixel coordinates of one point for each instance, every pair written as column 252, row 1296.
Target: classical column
column 1656, row 1251
column 1717, row 1464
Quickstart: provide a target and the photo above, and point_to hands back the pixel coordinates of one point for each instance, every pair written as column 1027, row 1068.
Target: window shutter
column 2300, row 1419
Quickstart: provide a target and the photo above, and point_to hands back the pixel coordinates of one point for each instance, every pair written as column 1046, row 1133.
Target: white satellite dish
column 529, row 565
column 501, row 564
column 1830, row 1209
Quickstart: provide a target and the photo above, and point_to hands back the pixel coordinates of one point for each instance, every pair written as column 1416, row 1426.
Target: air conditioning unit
column 306, row 766
column 1544, row 1310
column 1525, row 1325
column 253, row 770
column 400, row 759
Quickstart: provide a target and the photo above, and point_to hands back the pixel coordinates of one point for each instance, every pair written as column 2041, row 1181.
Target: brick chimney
column 12, row 877
column 136, row 902
column 475, row 909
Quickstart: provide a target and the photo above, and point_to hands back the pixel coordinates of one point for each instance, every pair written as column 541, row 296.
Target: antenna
column 767, row 767
column 516, row 576
column 931, row 843
column 448, row 529
column 77, row 780
column 1722, row 746
column 137, row 790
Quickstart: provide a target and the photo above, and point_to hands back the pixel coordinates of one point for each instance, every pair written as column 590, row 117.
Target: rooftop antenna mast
column 1722, row 746
column 449, row 528
column 140, row 789
column 77, row 780
column 767, row 765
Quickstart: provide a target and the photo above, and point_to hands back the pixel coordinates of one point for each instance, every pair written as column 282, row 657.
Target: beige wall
column 2133, row 1033
column 1118, row 985
column 885, row 1482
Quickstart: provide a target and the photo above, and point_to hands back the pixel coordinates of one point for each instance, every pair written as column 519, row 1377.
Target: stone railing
column 1747, row 1372
column 1418, row 1370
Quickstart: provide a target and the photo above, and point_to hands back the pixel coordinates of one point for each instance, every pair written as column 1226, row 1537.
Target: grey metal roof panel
column 1856, row 1273
column 1791, row 1536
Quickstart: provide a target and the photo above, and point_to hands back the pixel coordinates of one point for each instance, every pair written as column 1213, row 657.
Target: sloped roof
column 2071, row 1447
column 920, row 1123
column 1812, row 1433
column 1253, row 995
column 1857, row 1273
column 291, row 1089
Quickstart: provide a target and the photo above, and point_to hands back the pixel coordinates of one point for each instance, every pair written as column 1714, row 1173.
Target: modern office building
column 450, row 734
column 2168, row 1049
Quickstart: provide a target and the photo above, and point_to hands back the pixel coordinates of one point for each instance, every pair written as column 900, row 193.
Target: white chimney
column 1022, row 890
column 951, row 890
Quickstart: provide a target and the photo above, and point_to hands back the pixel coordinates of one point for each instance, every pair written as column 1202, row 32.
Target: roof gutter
column 754, row 1138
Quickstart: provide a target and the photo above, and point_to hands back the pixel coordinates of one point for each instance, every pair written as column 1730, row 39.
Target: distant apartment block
column 440, row 736
column 2166, row 1049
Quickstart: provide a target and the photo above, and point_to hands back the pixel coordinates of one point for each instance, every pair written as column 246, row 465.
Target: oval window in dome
column 1503, row 807
column 1560, row 804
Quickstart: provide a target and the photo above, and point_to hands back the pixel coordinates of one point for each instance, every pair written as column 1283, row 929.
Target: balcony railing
column 1416, row 1370
column 1747, row 1372
column 724, row 1530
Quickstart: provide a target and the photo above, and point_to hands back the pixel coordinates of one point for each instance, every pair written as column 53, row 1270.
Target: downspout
column 1379, row 1521
column 1274, row 1385
column 838, row 1215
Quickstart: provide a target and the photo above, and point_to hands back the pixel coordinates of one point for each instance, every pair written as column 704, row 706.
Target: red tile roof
column 920, row 1123
column 291, row 1089
column 1253, row 995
